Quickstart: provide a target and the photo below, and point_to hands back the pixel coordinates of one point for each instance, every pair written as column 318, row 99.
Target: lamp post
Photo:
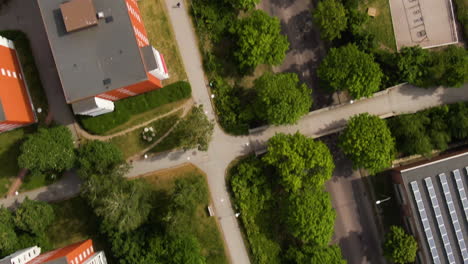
column 382, row 201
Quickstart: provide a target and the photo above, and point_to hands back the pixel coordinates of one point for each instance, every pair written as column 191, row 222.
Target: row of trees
column 25, row 227
column 287, row 184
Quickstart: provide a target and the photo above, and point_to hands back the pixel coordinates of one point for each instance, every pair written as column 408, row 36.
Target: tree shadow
column 282, row 3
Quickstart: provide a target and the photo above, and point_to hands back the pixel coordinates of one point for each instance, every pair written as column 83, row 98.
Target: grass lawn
column 132, row 142
column 75, row 222
column 161, row 36
column 203, row 227
column 381, row 25
column 143, row 117
column 9, row 152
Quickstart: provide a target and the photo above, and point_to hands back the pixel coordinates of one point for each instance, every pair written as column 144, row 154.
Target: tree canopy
column 367, row 141
column 48, row 150
column 310, row 217
column 259, row 40
column 281, row 99
column 34, row 216
column 195, row 131
column 243, row 4
column 400, row 247
column 316, row 254
column 123, row 205
column 349, row 68
column 410, row 134
column 413, row 64
column 300, row 161
column 331, row 17
column 98, row 157
column 451, row 68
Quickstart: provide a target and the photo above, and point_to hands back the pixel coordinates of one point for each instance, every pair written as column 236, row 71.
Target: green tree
column 311, row 255
column 259, row 40
column 300, row 161
column 410, row 133
column 310, row 216
column 243, row 4
column 458, row 121
column 98, row 157
column 414, row 64
column 400, row 247
column 281, row 99
column 48, row 150
column 195, row 131
column 367, row 141
column 8, row 239
column 349, row 68
column 123, row 205
column 331, row 17
column 452, row 67
column 34, row 216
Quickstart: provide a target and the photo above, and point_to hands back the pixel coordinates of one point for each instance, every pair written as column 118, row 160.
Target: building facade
column 101, row 50
column 78, row 253
column 16, row 107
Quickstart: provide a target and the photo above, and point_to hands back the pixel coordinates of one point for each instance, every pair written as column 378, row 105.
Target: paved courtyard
column 427, row 23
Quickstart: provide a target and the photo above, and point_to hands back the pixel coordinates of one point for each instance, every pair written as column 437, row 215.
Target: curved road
column 225, row 148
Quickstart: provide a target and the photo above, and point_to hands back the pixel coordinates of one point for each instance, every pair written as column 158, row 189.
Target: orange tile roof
column 13, row 94
column 68, row 253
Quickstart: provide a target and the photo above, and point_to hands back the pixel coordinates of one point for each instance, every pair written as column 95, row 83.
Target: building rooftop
column 438, row 203
column 78, row 14
column 95, row 59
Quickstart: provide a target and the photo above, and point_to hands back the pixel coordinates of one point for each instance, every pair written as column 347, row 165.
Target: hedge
column 127, row 107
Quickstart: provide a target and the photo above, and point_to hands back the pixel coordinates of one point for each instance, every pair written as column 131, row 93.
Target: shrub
column 127, row 107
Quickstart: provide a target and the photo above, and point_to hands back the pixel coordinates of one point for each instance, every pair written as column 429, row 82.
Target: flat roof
column 78, row 14
column 96, row 59
column 427, row 23
column 420, row 173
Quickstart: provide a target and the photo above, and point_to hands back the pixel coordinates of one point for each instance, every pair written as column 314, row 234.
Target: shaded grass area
column 75, row 222
column 382, row 186
column 132, row 142
column 203, row 227
column 30, row 70
column 142, row 105
column 161, row 36
column 10, row 143
column 380, row 26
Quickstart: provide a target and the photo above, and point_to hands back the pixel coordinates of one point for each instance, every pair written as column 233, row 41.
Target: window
column 81, row 258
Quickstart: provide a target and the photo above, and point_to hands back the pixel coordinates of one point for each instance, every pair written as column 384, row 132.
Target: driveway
column 25, row 16
column 306, row 49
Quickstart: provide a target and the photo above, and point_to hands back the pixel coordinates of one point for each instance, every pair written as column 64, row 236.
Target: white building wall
column 93, row 107
column 97, row 258
column 23, row 256
column 159, row 73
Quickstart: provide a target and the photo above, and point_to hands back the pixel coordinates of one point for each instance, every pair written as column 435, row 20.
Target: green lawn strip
column 461, row 10
column 30, row 70
column 9, row 151
column 380, row 26
column 202, row 226
column 157, row 25
column 141, row 105
column 132, row 142
column 144, row 117
column 75, row 222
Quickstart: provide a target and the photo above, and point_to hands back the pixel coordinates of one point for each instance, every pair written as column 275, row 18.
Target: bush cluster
column 25, row 227
column 435, row 128
column 287, row 184
column 127, row 107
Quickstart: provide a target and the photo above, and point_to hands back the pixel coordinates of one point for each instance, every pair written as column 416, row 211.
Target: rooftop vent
column 100, row 15
column 78, row 14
